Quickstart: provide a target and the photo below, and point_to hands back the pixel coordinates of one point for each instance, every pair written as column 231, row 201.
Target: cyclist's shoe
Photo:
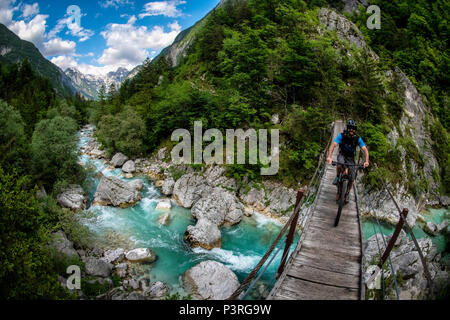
column 336, row 181
column 347, row 197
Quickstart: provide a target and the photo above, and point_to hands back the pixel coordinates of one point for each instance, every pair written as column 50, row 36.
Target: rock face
column 62, row 246
column 98, row 267
column 406, row 262
column 186, row 189
column 140, row 255
column 167, row 187
column 72, row 198
column 116, row 255
column 210, row 280
column 129, row 167
column 156, row 290
column 119, row 159
column 115, row 192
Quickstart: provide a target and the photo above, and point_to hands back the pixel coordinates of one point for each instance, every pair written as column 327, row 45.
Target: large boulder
column 129, row 167
column 72, row 197
column 62, row 246
column 187, row 189
column 204, row 234
column 119, row 159
column 115, row 192
column 210, row 280
column 140, row 255
column 218, row 206
column 97, row 267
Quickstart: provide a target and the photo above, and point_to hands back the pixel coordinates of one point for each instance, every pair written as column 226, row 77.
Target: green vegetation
column 38, row 148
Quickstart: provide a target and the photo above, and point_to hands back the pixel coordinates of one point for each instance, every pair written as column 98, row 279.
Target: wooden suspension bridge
column 327, row 263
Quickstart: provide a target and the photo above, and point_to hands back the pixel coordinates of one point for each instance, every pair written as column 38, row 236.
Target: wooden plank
column 307, row 290
column 333, row 240
column 328, row 224
column 328, row 263
column 304, row 272
column 328, row 221
column 347, row 253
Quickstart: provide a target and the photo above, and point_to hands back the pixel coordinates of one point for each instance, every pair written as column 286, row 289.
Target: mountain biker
column 347, row 141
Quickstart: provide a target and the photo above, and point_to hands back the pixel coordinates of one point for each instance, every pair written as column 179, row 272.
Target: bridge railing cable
column 388, row 247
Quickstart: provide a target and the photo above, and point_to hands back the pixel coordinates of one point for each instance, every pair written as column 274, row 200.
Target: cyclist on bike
column 347, row 141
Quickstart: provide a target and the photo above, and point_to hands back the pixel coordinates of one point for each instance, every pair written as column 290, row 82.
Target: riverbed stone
column 163, row 204
column 210, row 280
column 97, row 267
column 129, row 167
column 140, row 255
column 119, row 159
column 72, row 197
column 156, row 290
column 114, row 255
column 116, row 192
column 204, row 234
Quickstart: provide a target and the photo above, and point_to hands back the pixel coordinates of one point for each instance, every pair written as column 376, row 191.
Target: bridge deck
column 326, row 265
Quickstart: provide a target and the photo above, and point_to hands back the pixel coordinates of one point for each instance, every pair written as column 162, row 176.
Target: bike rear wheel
column 341, row 201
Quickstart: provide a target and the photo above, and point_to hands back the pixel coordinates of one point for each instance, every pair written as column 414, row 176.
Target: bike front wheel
column 341, row 201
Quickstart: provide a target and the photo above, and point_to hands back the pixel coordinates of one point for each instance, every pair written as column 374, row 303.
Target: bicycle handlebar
column 360, row 166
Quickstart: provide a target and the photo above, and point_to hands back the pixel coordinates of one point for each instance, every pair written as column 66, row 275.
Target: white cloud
column 114, row 3
column 29, row 10
column 64, row 62
column 58, row 46
column 164, row 8
column 33, row 31
column 129, row 45
column 7, row 11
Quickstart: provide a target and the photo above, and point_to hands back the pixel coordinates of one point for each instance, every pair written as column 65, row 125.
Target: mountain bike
column 342, row 186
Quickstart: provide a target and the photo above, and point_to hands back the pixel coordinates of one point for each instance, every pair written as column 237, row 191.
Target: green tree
column 26, row 271
column 54, row 151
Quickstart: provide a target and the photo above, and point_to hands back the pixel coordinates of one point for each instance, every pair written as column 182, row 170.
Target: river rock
column 187, row 189
column 164, row 204
column 210, row 280
column 204, row 234
column 116, row 192
column 137, row 184
column 270, row 197
column 119, row 159
column 97, row 267
column 116, row 255
column 72, row 198
column 129, row 167
column 218, row 206
column 62, row 246
column 156, row 290
column 140, row 255
column 121, row 269
column 167, row 186
column 164, row 219
column 431, row 228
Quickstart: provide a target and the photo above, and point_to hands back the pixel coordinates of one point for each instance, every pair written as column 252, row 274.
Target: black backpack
column 348, row 144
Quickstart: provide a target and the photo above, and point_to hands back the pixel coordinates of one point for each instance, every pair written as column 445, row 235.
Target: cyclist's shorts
column 349, row 160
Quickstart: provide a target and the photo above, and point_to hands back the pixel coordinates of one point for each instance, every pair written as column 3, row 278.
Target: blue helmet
column 351, row 124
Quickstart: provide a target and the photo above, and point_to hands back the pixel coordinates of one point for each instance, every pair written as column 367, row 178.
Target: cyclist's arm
column 366, row 153
column 330, row 152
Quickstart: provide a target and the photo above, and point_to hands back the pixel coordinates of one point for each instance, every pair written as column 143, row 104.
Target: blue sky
column 108, row 34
